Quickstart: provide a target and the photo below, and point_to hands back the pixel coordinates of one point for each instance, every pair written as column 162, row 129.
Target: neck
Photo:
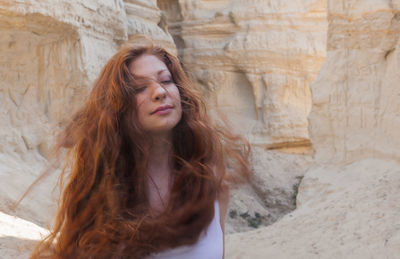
column 160, row 154
column 159, row 171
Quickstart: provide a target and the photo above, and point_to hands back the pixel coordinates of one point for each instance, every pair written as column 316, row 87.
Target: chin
column 162, row 129
column 163, row 125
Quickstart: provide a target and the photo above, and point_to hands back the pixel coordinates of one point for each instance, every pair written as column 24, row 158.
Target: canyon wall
column 48, row 58
column 236, row 52
column 347, row 203
column 255, row 61
column 50, row 55
column 311, row 83
column 356, row 104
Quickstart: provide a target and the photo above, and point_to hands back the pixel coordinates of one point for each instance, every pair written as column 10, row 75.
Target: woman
column 147, row 174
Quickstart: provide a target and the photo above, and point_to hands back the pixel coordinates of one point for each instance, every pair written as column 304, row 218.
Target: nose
column 159, row 92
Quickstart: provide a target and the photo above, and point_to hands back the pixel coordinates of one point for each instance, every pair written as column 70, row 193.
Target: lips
column 162, row 109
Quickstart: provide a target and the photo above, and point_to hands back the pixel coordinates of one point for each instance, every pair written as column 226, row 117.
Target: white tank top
column 209, row 245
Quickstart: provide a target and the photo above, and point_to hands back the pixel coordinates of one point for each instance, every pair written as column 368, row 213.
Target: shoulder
column 222, row 195
column 223, row 188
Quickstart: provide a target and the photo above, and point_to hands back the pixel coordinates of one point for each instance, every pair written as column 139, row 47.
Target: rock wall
column 263, row 65
column 255, row 61
column 48, row 58
column 262, row 86
column 50, row 54
column 347, row 200
column 348, row 211
column 144, row 17
column 356, row 104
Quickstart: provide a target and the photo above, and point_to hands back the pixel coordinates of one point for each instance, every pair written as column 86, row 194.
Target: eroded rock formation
column 257, row 62
column 347, row 211
column 50, row 55
column 347, row 200
column 356, row 104
column 256, row 59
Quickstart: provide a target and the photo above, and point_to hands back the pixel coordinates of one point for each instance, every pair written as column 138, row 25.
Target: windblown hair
column 103, row 211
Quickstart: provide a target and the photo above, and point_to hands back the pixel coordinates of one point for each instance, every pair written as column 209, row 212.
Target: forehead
column 147, row 66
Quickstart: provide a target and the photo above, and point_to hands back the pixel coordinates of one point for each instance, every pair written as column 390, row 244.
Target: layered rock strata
column 347, row 203
column 48, row 57
column 50, row 53
column 255, row 61
column 144, row 17
column 356, row 104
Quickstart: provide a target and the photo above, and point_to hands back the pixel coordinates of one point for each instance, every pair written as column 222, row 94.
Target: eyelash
column 142, row 88
column 167, row 82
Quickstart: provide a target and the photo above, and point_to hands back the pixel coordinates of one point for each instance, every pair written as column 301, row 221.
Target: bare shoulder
column 222, row 195
column 223, row 199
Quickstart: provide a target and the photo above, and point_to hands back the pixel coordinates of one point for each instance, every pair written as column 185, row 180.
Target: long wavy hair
column 103, row 209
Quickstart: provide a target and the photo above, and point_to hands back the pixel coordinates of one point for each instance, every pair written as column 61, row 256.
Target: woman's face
column 157, row 96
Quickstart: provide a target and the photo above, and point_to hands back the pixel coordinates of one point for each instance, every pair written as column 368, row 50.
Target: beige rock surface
column 18, row 237
column 48, row 57
column 356, row 104
column 272, row 192
column 348, row 211
column 255, row 58
column 255, row 61
column 348, row 202
column 144, row 17
column 72, row 42
column 50, row 53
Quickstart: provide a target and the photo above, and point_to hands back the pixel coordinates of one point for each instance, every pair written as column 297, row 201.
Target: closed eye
column 166, row 82
column 140, row 89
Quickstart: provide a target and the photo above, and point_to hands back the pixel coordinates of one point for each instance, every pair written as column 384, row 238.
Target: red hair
column 103, row 210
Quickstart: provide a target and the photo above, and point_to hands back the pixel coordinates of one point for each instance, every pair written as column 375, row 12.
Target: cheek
column 176, row 95
column 140, row 103
column 140, row 108
column 177, row 98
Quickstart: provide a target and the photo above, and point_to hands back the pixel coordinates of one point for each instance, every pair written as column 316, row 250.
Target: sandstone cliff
column 311, row 83
column 50, row 53
column 348, row 200
column 255, row 61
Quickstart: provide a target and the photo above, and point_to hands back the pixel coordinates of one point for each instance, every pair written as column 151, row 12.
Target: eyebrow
column 159, row 72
